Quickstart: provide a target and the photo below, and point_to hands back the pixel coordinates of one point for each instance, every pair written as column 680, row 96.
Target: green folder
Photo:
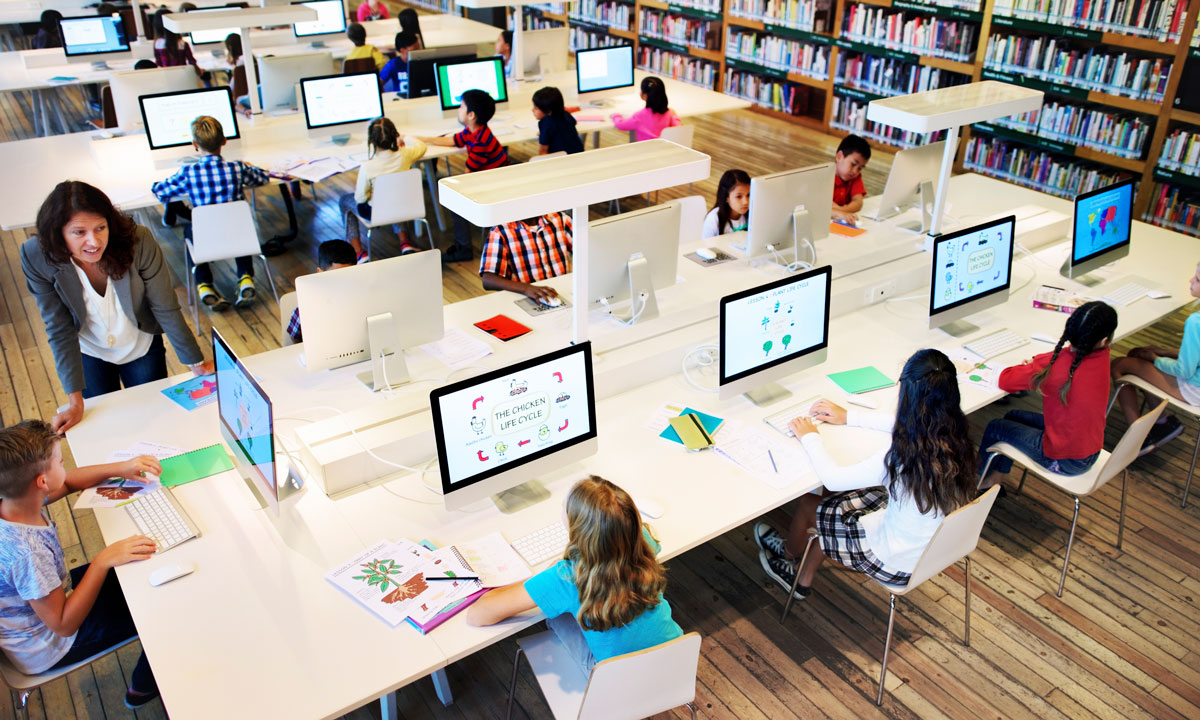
column 864, row 379
column 190, row 466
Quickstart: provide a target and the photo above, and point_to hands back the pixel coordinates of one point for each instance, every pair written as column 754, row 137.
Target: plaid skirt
column 843, row 538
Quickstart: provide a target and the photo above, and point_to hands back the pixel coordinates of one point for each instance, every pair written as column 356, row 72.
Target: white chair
column 222, row 232
column 547, row 156
column 1104, row 469
column 634, row 685
column 287, row 305
column 397, row 198
column 680, row 135
column 21, row 685
column 692, row 210
column 955, row 539
column 1152, row 391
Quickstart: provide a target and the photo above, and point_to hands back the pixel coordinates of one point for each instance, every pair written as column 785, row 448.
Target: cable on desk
column 705, row 355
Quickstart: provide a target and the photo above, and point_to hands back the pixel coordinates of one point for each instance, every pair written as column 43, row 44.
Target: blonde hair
column 616, row 572
column 208, row 134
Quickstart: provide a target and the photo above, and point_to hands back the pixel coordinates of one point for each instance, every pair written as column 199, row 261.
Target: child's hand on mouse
column 802, row 426
column 826, row 411
column 134, row 547
column 845, row 217
column 539, row 292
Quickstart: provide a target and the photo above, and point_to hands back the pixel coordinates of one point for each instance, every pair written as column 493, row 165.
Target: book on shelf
column 1035, row 167
column 1059, row 60
column 1157, row 19
column 850, row 115
column 605, row 13
column 910, row 31
column 1110, row 131
column 1181, row 151
column 767, row 92
column 1175, row 207
column 680, row 67
column 678, row 29
column 582, row 38
column 778, row 53
column 797, row 14
column 889, row 76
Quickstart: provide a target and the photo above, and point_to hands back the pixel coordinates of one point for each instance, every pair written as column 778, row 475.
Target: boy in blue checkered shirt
column 209, row 181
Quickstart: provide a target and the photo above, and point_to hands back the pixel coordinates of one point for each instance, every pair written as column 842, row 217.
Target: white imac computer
column 629, row 257
column 129, row 85
column 454, row 77
column 913, row 179
column 602, row 73
column 212, row 37
column 278, row 76
column 248, row 428
column 771, row 331
column 1103, row 221
column 972, row 271
column 422, row 80
column 372, row 311
column 335, row 104
column 789, row 209
column 545, row 51
column 331, row 20
column 94, row 40
column 498, row 430
column 168, row 118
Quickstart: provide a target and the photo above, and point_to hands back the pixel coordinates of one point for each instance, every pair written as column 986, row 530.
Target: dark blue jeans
column 107, row 624
column 202, row 273
column 1024, row 430
column 101, row 376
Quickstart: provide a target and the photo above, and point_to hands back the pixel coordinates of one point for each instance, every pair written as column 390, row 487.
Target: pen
column 773, row 465
column 451, row 577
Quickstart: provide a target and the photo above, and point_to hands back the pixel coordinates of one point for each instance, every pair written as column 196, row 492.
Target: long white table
column 258, row 620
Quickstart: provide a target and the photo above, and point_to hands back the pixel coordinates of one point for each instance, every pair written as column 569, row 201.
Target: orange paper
column 845, row 230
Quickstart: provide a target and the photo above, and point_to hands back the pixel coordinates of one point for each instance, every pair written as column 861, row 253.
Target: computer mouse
column 167, row 573
column 550, row 301
column 861, row 402
column 649, row 507
column 706, row 254
column 1157, row 294
column 1043, row 337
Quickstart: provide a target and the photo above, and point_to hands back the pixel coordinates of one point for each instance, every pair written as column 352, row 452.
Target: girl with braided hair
column 1073, row 380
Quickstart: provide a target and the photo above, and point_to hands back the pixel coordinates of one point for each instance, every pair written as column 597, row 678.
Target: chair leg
column 887, row 646
column 1121, row 520
column 692, row 708
column 369, row 229
column 1191, row 470
column 428, row 233
column 787, row 605
column 20, row 698
column 987, row 466
column 270, row 277
column 967, row 604
column 1070, row 540
column 512, row 685
column 1113, row 400
column 1021, row 485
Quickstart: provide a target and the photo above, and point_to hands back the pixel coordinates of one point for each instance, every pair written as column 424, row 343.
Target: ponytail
column 1088, row 329
column 382, row 135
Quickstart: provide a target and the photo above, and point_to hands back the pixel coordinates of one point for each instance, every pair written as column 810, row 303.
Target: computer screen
column 421, row 79
column 512, row 416
column 604, row 68
column 774, row 323
column 331, row 18
column 1103, row 220
column 206, row 37
column 455, row 78
column 971, row 263
column 341, row 99
column 245, row 412
column 168, row 116
column 93, row 35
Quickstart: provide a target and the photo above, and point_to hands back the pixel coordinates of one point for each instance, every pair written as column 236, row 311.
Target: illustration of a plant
column 384, row 574
column 117, row 492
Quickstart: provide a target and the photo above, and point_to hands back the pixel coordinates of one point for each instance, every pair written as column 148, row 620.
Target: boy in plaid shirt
column 209, row 181
column 518, row 254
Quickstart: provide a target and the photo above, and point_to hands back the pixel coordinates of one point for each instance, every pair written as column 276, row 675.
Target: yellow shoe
column 210, row 297
column 245, row 292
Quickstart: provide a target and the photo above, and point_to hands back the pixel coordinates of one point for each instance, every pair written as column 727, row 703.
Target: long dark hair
column 409, row 20
column 1089, row 327
column 656, row 94
column 729, row 180
column 550, row 101
column 931, row 456
column 71, row 197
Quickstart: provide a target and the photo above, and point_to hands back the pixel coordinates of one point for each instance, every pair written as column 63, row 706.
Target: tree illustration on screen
column 384, row 573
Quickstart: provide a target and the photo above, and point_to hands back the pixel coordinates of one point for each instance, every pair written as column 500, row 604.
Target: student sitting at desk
column 605, row 597
column 41, row 626
column 556, row 126
column 372, row 10
column 848, row 190
column 47, row 35
column 394, row 74
column 732, row 211
column 170, row 49
column 331, row 255
column 504, row 49
column 358, row 35
column 883, row 510
column 387, row 152
column 411, row 21
column 648, row 123
column 518, row 254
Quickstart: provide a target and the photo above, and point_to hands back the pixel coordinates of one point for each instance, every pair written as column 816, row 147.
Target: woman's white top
column 898, row 533
column 109, row 332
column 711, row 229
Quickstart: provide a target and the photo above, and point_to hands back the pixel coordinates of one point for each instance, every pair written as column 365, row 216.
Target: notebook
column 194, row 465
column 710, row 423
column 864, row 379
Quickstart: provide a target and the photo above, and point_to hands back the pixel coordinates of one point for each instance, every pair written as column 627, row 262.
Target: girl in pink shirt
column 649, row 122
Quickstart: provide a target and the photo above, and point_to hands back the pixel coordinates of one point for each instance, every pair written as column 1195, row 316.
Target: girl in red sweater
column 1067, row 436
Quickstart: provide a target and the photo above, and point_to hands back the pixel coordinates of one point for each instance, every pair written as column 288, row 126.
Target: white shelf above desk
column 239, row 17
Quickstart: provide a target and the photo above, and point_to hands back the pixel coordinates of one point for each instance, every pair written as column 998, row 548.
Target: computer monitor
column 496, row 431
column 168, row 117
column 1103, row 221
column 94, row 39
column 278, row 76
column 372, row 311
column 210, row 37
column 545, row 51
column 972, row 271
column 601, row 72
column 331, row 20
column 454, row 77
column 913, row 179
column 129, row 85
column 630, row 256
column 771, row 331
column 335, row 104
column 788, row 210
column 422, row 80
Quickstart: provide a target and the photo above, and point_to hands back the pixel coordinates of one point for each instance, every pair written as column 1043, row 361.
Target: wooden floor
column 1123, row 642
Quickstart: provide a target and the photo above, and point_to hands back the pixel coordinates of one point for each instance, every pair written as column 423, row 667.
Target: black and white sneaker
column 769, row 539
column 1161, row 433
column 783, row 572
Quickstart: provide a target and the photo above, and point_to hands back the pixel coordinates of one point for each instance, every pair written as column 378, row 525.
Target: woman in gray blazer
column 105, row 294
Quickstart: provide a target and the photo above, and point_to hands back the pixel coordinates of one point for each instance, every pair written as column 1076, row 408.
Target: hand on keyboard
column 134, row 547
column 826, row 411
column 802, row 426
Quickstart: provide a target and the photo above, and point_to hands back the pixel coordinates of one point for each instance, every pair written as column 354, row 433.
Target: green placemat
column 190, row 466
column 864, row 379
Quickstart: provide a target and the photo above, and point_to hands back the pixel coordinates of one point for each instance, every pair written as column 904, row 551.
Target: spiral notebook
column 194, row 465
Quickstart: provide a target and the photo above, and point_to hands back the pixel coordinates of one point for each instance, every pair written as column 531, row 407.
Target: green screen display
column 453, row 79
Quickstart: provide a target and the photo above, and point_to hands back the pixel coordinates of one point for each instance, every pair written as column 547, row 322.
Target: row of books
column 1059, row 60
column 1158, row 19
column 778, row 95
column 1175, row 208
column 972, row 5
column 602, row 12
column 556, row 8
column 680, row 67
column 799, row 14
column 888, row 76
column 911, row 32
column 586, row 39
column 850, row 115
column 1181, row 151
column 1035, row 168
column 709, row 5
column 778, row 53
column 679, row 29
column 535, row 21
column 1111, row 131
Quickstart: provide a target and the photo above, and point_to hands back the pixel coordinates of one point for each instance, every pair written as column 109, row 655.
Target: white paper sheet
column 457, row 349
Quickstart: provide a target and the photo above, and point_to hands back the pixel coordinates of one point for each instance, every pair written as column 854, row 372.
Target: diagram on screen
column 1099, row 223
column 974, row 264
column 777, row 327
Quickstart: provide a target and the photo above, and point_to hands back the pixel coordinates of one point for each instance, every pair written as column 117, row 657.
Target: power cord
column 792, row 266
column 705, row 356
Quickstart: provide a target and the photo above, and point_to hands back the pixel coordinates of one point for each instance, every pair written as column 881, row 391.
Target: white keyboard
column 998, row 343
column 541, row 545
column 159, row 516
column 782, row 420
column 1126, row 294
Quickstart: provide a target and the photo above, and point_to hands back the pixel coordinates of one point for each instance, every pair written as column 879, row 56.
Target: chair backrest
column 547, row 156
column 240, row 86
column 644, row 683
column 954, row 539
column 358, row 65
column 680, row 134
column 224, row 231
column 108, row 108
column 397, row 197
column 692, row 210
column 287, row 305
column 1127, row 448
